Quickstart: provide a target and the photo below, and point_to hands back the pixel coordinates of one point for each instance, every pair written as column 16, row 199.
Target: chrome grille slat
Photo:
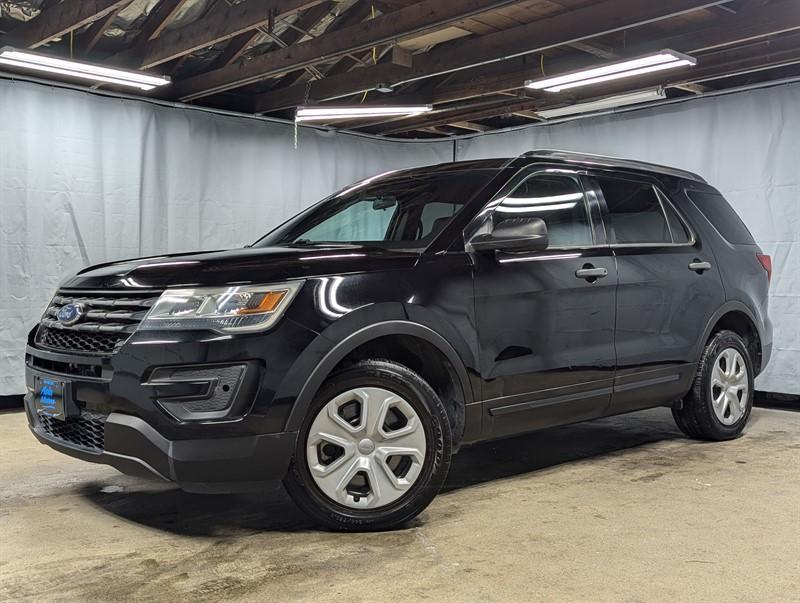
column 91, row 327
column 108, row 322
column 102, row 302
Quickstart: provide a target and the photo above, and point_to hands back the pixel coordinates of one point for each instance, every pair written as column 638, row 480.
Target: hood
column 238, row 266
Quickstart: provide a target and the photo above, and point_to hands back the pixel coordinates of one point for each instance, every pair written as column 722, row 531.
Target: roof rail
column 614, row 162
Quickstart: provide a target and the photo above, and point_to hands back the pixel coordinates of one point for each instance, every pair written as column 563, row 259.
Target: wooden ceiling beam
column 497, row 109
column 755, row 24
column 594, row 20
column 354, row 15
column 58, row 20
column 307, row 21
column 724, row 64
column 752, row 22
column 421, row 17
column 469, row 125
column 222, row 23
column 88, row 39
column 598, row 50
column 235, row 48
column 532, row 115
column 722, row 10
column 693, row 88
column 158, row 19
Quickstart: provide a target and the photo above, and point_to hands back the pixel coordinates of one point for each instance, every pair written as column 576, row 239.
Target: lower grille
column 93, row 371
column 79, row 341
column 86, row 431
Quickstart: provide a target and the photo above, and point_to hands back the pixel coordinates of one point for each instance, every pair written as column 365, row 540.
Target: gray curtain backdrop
column 746, row 144
column 85, row 179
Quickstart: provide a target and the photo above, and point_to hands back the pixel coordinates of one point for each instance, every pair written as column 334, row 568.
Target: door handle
column 590, row 273
column 699, row 267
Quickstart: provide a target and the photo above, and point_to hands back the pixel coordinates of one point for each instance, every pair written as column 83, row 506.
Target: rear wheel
column 373, row 451
column 719, row 404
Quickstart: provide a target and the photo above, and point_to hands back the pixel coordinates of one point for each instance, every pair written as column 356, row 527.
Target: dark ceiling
column 468, row 58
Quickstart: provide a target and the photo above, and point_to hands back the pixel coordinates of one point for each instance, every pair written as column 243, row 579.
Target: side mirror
column 512, row 234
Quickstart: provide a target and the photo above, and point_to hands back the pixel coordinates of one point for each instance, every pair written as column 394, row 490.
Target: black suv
column 353, row 349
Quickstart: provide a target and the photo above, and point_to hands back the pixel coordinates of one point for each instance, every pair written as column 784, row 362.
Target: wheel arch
column 402, row 332
column 736, row 317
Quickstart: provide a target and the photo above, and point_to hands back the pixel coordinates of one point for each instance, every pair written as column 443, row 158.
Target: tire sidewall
column 721, row 342
column 433, row 418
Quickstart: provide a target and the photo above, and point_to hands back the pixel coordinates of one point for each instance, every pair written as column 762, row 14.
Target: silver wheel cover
column 730, row 386
column 366, row 448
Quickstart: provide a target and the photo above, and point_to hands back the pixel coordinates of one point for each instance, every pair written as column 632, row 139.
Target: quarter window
column 635, row 215
column 723, row 217
column 559, row 201
column 680, row 236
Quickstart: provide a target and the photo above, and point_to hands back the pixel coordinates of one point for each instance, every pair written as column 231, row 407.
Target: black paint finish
column 528, row 340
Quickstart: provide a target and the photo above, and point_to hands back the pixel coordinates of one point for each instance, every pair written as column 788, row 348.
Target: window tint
column 723, row 217
column 559, row 201
column 435, row 217
column 634, row 212
column 404, row 210
column 362, row 221
column 680, row 236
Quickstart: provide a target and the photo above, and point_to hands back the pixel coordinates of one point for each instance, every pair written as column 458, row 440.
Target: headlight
column 224, row 309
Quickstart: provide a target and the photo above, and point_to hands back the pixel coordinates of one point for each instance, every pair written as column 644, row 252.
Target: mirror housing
column 513, row 234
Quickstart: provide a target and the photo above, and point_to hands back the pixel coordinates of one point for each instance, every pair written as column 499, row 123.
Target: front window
column 404, row 210
column 556, row 199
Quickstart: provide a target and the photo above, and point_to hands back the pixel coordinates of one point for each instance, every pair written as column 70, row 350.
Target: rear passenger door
column 668, row 290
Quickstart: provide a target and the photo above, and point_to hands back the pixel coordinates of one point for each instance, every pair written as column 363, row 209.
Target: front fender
column 320, row 358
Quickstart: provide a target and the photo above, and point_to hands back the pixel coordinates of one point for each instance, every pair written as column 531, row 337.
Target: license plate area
column 50, row 397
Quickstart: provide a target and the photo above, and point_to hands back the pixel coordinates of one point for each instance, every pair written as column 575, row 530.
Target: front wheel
column 373, row 451
column 719, row 404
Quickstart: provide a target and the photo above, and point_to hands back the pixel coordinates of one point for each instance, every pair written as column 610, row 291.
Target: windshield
column 403, row 210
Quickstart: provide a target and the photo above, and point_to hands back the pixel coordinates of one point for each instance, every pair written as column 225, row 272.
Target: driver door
column 546, row 318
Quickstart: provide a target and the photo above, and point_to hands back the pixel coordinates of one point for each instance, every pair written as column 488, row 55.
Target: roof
column 612, row 162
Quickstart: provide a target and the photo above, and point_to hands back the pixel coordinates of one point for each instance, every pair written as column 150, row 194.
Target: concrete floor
column 622, row 509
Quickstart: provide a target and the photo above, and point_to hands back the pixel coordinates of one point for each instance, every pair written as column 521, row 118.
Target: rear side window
column 723, row 217
column 559, row 201
column 635, row 215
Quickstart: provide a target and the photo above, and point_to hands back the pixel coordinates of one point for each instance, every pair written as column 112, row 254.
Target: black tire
column 416, row 391
column 697, row 418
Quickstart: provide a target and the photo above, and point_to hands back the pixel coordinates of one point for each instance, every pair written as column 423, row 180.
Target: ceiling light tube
column 611, row 102
column 78, row 69
column 665, row 59
column 616, row 76
column 328, row 113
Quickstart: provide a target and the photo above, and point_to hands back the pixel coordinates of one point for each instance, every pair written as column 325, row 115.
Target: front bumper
column 122, row 406
column 132, row 446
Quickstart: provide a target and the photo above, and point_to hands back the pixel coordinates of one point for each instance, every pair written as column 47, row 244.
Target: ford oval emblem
column 69, row 314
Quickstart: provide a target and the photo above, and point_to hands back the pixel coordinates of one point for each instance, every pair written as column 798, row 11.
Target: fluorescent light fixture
column 664, row 59
column 324, row 113
column 606, row 103
column 87, row 71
